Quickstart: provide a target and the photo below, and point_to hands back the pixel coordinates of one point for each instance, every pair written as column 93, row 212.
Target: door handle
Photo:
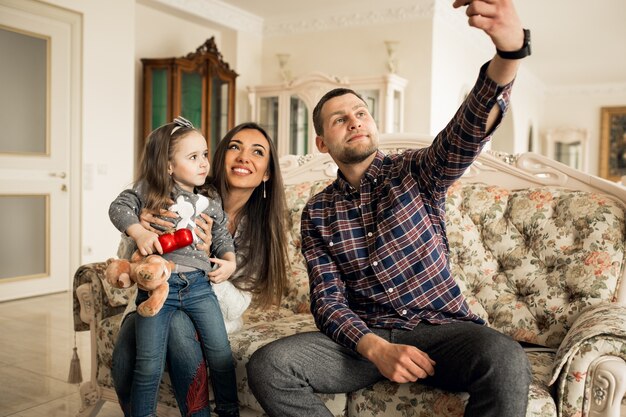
column 58, row 174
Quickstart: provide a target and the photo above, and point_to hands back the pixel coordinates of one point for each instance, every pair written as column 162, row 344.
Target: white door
column 37, row 129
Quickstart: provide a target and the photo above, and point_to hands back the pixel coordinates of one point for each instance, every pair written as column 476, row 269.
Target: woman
column 246, row 173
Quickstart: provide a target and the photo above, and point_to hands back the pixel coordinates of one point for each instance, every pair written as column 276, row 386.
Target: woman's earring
column 264, row 194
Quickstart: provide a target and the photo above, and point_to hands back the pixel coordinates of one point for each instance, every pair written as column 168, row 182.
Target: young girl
column 175, row 162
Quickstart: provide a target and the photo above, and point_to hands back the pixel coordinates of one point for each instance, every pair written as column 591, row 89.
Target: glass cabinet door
column 160, row 88
column 268, row 115
column 569, row 153
column 298, row 126
column 218, row 124
column 397, row 111
column 191, row 97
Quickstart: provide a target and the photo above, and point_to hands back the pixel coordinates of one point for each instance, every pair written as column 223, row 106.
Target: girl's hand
column 223, row 272
column 203, row 231
column 147, row 218
column 147, row 241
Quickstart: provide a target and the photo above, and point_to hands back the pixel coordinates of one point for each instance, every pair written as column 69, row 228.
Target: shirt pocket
column 403, row 210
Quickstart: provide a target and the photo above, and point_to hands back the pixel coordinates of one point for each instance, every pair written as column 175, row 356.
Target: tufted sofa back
column 529, row 261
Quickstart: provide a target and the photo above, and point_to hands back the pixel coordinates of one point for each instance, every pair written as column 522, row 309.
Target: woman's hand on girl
column 148, row 218
column 223, row 271
column 203, row 231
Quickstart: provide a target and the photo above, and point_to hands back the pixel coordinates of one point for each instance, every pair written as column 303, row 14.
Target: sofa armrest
column 91, row 300
column 608, row 387
column 590, row 364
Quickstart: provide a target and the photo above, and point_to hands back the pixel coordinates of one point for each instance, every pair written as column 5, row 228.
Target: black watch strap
column 520, row 53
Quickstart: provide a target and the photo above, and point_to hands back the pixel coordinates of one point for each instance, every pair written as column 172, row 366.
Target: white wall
column 360, row 51
column 108, row 91
column 527, row 107
column 580, row 107
column 458, row 53
column 247, row 63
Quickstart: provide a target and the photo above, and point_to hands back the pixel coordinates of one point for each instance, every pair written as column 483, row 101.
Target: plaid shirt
column 378, row 256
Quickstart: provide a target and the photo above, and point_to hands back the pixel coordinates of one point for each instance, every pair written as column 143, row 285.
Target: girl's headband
column 180, row 121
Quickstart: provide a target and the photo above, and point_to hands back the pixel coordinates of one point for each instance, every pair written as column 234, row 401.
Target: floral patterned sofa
column 538, row 249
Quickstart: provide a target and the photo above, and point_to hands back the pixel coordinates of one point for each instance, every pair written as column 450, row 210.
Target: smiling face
column 189, row 165
column 350, row 135
column 247, row 160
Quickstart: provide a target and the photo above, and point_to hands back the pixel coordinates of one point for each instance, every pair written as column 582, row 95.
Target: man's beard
column 358, row 154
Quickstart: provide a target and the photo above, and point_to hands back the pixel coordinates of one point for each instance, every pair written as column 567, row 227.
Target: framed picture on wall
column 613, row 143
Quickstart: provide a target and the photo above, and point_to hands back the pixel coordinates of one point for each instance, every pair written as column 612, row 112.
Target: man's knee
column 508, row 362
column 264, row 362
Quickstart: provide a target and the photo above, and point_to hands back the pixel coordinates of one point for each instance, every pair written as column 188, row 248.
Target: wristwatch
column 520, row 53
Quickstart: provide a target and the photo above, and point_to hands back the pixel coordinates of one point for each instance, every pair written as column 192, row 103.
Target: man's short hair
column 318, row 123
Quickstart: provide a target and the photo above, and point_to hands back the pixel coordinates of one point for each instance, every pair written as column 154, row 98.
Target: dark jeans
column 285, row 375
column 187, row 368
column 193, row 294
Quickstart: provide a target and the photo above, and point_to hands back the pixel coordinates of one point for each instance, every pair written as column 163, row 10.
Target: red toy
column 179, row 239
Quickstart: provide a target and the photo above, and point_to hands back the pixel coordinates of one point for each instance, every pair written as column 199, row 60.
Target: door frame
column 73, row 21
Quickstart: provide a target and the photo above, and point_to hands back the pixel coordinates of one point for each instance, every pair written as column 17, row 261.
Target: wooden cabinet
column 199, row 87
column 285, row 110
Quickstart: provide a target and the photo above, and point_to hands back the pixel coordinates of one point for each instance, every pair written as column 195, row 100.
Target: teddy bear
column 150, row 273
column 233, row 301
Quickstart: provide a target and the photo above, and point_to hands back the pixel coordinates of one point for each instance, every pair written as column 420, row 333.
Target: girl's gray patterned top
column 126, row 208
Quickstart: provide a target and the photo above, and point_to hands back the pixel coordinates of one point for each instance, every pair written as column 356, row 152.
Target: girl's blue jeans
column 185, row 362
column 192, row 293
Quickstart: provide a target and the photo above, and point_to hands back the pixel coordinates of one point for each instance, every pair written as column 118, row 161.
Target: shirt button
column 390, row 290
column 374, row 263
column 331, row 244
column 403, row 312
column 370, row 234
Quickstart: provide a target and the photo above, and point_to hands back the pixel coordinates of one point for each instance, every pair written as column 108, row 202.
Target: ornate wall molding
column 218, row 12
column 330, row 21
column 589, row 90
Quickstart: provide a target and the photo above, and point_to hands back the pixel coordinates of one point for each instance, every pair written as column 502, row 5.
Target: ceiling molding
column 618, row 89
column 332, row 20
column 218, row 12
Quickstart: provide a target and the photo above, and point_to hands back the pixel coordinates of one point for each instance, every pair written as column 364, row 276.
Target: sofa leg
column 91, row 400
column 608, row 387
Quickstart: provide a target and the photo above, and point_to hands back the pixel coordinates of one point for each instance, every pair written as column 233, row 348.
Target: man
column 381, row 289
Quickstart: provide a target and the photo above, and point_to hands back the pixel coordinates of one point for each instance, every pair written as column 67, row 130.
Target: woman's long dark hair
column 264, row 271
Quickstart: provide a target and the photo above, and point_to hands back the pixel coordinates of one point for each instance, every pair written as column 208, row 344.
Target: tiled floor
column 36, row 340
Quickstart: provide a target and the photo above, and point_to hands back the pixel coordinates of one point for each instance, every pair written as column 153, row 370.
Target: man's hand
column 498, row 19
column 398, row 363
